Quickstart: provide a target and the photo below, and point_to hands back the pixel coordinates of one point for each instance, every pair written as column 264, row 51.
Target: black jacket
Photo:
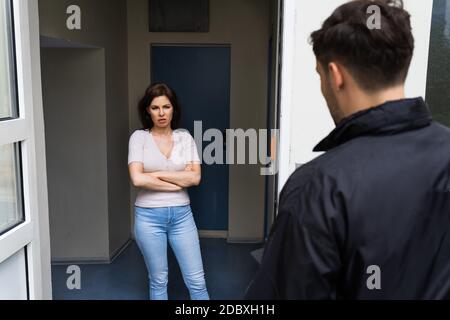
column 369, row 219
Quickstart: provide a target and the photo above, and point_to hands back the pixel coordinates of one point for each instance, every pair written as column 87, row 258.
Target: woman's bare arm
column 149, row 181
column 190, row 177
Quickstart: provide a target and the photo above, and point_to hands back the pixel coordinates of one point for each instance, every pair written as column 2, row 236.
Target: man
column 369, row 219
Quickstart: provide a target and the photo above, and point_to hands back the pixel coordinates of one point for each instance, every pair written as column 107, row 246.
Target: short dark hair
column 377, row 58
column 154, row 91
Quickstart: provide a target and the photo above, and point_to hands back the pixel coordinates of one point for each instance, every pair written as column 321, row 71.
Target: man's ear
column 336, row 76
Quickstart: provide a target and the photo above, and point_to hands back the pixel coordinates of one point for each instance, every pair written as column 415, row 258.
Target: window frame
column 12, row 58
column 18, row 173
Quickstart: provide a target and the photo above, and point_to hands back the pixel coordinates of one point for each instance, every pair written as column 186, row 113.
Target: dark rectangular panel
column 179, row 15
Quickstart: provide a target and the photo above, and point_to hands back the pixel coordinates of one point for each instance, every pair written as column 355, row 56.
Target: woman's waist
column 162, row 198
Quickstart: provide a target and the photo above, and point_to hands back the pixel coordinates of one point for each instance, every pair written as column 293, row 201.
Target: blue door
column 200, row 75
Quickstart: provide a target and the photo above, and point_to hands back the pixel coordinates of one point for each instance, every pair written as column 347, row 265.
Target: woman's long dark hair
column 154, row 91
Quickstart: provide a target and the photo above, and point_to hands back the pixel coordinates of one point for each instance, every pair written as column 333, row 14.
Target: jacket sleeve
column 301, row 258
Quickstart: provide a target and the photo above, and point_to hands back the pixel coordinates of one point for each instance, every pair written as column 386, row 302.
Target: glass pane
column 8, row 106
column 11, row 212
column 438, row 82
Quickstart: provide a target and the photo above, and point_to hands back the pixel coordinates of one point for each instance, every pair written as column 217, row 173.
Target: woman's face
column 161, row 111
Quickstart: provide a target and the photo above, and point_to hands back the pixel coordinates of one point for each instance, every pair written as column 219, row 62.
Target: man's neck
column 363, row 101
column 391, row 94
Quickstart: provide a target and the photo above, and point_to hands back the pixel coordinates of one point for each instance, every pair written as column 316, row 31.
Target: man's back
column 370, row 219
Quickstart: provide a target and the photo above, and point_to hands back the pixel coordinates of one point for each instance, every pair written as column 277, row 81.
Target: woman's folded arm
column 149, row 181
column 190, row 177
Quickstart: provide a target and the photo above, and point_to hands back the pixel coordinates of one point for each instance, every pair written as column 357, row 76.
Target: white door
column 24, row 236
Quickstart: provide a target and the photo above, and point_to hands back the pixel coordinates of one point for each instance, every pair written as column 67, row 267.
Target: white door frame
column 28, row 130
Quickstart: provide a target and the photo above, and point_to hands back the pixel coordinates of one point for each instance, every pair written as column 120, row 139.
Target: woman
column 163, row 162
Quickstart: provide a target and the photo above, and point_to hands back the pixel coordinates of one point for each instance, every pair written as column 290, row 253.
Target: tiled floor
column 228, row 267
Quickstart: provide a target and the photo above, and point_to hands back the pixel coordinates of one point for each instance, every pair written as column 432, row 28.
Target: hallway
column 229, row 268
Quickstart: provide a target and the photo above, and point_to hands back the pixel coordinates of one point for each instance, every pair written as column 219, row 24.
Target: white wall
column 305, row 119
column 74, row 95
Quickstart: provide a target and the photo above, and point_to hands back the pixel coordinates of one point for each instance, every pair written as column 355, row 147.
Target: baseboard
column 91, row 260
column 80, row 261
column 213, row 234
column 245, row 240
column 121, row 249
column 223, row 234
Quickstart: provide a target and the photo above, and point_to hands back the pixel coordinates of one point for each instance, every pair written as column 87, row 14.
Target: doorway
column 200, row 75
column 230, row 63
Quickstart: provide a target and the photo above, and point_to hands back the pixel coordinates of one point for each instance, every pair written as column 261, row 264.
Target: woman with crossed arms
column 163, row 162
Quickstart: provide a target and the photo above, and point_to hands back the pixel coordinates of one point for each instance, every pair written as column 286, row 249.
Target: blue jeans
column 153, row 227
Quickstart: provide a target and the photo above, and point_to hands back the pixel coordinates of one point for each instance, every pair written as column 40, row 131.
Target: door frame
column 272, row 182
column 28, row 131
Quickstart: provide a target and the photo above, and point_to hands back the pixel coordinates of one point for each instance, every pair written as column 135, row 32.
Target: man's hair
column 377, row 58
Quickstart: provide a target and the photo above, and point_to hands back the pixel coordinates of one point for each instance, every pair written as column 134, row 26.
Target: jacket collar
column 390, row 117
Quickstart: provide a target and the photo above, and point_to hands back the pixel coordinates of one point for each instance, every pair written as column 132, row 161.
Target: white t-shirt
column 143, row 149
